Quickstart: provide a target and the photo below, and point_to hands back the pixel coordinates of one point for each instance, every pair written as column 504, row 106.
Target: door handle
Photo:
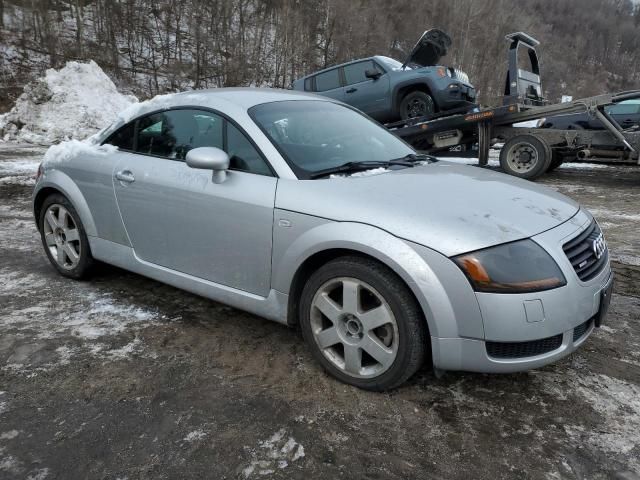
column 352, row 90
column 125, row 176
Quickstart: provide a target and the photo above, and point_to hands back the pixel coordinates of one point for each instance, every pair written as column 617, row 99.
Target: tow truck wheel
column 557, row 159
column 525, row 156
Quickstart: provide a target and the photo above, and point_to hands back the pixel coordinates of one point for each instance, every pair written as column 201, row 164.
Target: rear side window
column 173, row 133
column 355, row 73
column 328, row 80
column 123, row 137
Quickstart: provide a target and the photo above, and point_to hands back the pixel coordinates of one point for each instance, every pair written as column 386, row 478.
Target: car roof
column 338, row 66
column 245, row 97
column 232, row 101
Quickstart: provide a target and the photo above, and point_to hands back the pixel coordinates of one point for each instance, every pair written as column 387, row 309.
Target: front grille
column 580, row 330
column 581, row 253
column 523, row 349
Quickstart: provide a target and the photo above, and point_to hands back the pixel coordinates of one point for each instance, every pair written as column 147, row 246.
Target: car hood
column 431, row 47
column 445, row 206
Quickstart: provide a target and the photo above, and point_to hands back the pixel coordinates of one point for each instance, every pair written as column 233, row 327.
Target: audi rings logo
column 599, row 246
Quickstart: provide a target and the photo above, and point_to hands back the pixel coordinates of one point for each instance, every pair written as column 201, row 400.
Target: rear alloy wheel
column 525, row 156
column 416, row 104
column 64, row 238
column 368, row 333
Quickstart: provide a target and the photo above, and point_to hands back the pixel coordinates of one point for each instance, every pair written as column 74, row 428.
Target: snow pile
column 73, row 102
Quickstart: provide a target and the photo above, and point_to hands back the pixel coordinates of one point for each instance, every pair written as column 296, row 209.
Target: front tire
column 64, row 238
column 416, row 104
column 362, row 324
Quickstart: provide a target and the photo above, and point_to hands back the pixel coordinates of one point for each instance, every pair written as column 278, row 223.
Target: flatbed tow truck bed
column 528, row 152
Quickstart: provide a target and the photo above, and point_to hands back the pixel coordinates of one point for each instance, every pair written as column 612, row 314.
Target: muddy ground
column 123, row 377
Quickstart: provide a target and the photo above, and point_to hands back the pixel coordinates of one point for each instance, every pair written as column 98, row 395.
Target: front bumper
column 456, row 94
column 473, row 355
column 525, row 331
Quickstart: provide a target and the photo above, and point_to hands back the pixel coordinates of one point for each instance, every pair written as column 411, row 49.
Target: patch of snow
column 40, row 474
column 10, row 435
column 156, row 103
column 364, row 173
column 275, row 453
column 16, row 167
column 67, row 150
column 73, row 102
column 469, row 161
column 615, row 401
column 586, row 166
column 195, row 436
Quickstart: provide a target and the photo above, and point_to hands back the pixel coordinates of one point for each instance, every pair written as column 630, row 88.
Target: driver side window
column 172, row 133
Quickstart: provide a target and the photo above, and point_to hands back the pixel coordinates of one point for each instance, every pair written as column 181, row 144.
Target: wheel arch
column 57, row 182
column 403, row 89
column 332, row 240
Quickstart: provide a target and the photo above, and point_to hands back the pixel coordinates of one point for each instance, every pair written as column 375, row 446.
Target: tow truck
column 527, row 152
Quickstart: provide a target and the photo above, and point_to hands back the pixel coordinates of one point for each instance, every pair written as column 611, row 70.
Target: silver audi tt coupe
column 304, row 211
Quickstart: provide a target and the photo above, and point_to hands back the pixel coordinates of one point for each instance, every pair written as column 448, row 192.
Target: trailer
column 527, row 152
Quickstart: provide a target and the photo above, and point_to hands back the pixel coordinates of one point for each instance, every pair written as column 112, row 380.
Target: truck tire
column 557, row 159
column 416, row 104
column 525, row 156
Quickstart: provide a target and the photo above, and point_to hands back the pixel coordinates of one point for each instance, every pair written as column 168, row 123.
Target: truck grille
column 580, row 330
column 523, row 349
column 581, row 252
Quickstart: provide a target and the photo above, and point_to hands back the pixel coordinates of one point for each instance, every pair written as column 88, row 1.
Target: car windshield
column 316, row 135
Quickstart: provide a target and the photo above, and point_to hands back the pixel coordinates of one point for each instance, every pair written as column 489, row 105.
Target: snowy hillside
column 73, row 102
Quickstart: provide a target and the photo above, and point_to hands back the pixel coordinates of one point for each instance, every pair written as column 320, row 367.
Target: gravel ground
column 123, row 377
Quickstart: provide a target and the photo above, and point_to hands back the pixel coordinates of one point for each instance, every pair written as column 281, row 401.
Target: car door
column 177, row 218
column 329, row 84
column 372, row 96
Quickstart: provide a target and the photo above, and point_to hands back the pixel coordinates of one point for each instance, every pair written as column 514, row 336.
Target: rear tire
column 525, row 156
column 362, row 323
column 416, row 104
column 64, row 238
column 557, row 159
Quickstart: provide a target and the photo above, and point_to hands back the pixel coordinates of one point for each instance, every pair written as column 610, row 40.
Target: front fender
column 432, row 280
column 421, row 80
column 60, row 181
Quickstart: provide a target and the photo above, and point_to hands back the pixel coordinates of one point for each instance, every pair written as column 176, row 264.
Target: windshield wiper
column 407, row 161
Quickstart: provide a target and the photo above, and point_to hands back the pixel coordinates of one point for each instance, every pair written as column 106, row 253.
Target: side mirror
column 209, row 158
column 372, row 74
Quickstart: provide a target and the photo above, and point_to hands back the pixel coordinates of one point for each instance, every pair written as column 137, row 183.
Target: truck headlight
column 517, row 267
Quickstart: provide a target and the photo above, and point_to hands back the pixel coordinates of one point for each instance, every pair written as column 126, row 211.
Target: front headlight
column 517, row 267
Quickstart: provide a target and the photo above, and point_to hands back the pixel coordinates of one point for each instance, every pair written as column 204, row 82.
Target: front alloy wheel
column 363, row 324
column 354, row 327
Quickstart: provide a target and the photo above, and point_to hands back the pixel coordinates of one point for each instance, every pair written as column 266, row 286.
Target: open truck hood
column 431, row 47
